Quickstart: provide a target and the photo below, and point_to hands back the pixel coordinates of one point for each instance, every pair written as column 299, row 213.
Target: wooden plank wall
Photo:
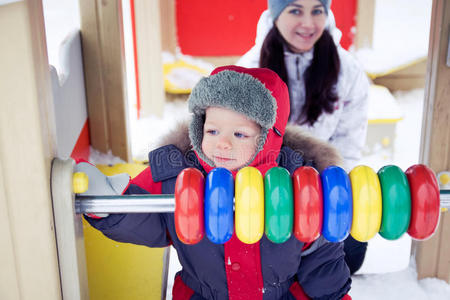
column 168, row 26
column 149, row 55
column 105, row 76
column 364, row 21
column 28, row 255
column 433, row 255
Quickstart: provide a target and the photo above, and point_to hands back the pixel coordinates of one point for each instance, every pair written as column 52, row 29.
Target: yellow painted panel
column 118, row 270
column 170, row 71
column 385, row 121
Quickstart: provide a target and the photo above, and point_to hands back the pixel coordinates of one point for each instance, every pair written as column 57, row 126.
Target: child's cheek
column 204, row 150
column 206, row 147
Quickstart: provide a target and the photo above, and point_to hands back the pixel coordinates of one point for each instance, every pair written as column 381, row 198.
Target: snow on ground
column 408, row 132
column 146, row 131
column 407, row 21
column 398, row 286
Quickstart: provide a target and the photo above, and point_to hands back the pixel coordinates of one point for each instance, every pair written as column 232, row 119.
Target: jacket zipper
column 297, row 60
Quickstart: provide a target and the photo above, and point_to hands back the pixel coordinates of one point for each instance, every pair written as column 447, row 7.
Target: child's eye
column 211, row 131
column 240, row 135
column 317, row 11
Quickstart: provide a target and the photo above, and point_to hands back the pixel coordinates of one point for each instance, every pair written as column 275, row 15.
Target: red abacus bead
column 308, row 204
column 189, row 219
column 425, row 202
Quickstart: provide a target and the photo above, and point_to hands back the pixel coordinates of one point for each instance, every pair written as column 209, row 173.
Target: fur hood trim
column 322, row 153
column 311, row 148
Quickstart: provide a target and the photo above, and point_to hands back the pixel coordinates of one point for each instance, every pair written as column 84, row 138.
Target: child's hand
column 100, row 184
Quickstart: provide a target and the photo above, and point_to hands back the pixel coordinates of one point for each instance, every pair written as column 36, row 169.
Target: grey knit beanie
column 247, row 91
column 277, row 6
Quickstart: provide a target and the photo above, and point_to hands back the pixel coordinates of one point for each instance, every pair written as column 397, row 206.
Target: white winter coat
column 346, row 127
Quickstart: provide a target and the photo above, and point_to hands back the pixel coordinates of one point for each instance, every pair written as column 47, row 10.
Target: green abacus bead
column 279, row 205
column 396, row 205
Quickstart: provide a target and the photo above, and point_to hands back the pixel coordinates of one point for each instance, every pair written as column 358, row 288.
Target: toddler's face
column 229, row 138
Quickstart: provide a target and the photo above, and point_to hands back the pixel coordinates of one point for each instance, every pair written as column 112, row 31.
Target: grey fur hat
column 247, row 91
column 277, row 6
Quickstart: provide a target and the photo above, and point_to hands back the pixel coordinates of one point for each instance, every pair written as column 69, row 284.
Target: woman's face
column 301, row 24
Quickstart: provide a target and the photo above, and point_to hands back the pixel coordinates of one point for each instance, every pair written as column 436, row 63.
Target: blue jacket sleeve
column 323, row 273
column 148, row 229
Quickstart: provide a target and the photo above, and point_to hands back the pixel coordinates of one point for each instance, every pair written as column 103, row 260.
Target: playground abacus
column 307, row 204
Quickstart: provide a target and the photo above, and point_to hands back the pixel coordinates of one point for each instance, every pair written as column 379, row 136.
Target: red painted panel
column 226, row 28
column 345, row 16
column 217, row 27
column 135, row 56
column 81, row 149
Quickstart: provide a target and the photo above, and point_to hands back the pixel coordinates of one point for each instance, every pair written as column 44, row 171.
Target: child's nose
column 224, row 143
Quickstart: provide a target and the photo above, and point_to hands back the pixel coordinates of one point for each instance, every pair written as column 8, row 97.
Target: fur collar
column 321, row 153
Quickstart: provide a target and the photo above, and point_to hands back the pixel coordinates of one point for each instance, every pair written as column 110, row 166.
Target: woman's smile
column 305, row 36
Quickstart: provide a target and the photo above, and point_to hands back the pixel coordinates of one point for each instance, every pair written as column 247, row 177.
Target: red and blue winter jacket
column 235, row 270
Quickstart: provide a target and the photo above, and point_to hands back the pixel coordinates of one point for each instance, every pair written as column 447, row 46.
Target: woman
column 328, row 89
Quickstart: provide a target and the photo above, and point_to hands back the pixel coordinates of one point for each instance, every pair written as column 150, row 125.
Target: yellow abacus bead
column 249, row 205
column 367, row 210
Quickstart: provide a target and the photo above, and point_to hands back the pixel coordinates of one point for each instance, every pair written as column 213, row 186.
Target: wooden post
column 105, row 77
column 433, row 255
column 149, row 56
column 364, row 24
column 28, row 256
column 168, row 26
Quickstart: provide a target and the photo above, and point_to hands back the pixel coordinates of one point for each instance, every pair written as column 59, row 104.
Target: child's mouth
column 219, row 159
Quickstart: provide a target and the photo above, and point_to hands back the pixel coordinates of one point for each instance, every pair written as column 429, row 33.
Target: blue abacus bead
column 219, row 194
column 337, row 204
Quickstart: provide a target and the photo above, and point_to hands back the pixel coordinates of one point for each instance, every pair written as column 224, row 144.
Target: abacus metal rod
column 153, row 203
column 445, row 198
column 125, row 204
